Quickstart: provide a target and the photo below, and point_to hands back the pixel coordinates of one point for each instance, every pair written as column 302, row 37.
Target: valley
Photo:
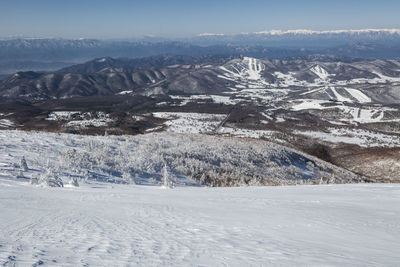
column 340, row 112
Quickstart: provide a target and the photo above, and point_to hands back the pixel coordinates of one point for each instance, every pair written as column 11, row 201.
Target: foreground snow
column 120, row 225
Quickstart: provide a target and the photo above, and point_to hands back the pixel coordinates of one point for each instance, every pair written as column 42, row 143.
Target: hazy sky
column 176, row 18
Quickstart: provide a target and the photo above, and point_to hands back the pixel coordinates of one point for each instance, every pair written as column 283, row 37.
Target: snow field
column 359, row 137
column 78, row 119
column 122, row 225
column 181, row 122
column 366, row 114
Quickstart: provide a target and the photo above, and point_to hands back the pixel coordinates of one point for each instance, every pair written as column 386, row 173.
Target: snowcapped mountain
column 304, row 38
column 350, row 32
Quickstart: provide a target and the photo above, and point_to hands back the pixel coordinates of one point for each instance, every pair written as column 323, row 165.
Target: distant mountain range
column 52, row 54
column 208, row 75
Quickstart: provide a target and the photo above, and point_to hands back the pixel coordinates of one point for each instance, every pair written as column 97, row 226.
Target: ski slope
column 130, row 225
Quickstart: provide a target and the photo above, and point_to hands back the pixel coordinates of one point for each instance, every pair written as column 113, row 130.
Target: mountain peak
column 324, row 32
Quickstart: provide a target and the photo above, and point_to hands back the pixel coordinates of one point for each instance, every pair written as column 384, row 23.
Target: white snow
column 209, row 159
column 89, row 123
column 254, row 68
column 338, row 96
column 138, row 117
column 125, row 92
column 6, row 123
column 122, row 225
column 62, row 115
column 247, row 133
column 309, row 104
column 357, row 94
column 313, row 90
column 359, row 137
column 287, row 80
column 363, row 115
column 87, row 119
column 206, row 34
column 214, row 98
column 223, row 100
column 77, row 119
column 246, row 72
column 181, row 122
column 347, row 31
column 320, row 72
column 367, row 114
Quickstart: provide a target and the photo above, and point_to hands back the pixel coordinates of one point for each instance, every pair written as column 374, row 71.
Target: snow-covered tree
column 24, row 165
column 166, row 182
column 86, row 175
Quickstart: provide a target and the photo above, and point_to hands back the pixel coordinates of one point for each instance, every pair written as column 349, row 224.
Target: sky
column 176, row 18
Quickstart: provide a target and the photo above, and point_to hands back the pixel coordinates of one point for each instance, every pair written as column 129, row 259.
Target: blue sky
column 176, row 18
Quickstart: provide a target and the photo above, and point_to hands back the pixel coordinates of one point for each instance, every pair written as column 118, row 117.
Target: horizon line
column 272, row 32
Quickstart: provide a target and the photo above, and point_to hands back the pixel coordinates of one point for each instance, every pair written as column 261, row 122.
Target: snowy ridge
column 206, row 34
column 310, row 32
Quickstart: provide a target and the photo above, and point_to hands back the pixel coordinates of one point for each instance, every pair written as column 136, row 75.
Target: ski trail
column 338, row 96
column 357, row 94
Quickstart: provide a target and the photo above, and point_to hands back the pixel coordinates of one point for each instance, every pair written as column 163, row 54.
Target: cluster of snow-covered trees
column 166, row 159
column 209, row 160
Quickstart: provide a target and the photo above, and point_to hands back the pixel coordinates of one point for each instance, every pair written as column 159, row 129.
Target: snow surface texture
column 129, row 225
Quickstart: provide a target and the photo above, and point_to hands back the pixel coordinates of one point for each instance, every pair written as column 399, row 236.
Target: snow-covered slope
column 128, row 225
column 245, row 72
column 320, row 72
column 191, row 160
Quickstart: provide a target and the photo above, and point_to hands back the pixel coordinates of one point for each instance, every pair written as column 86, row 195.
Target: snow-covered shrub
column 34, row 180
column 73, row 182
column 49, row 178
column 128, row 178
